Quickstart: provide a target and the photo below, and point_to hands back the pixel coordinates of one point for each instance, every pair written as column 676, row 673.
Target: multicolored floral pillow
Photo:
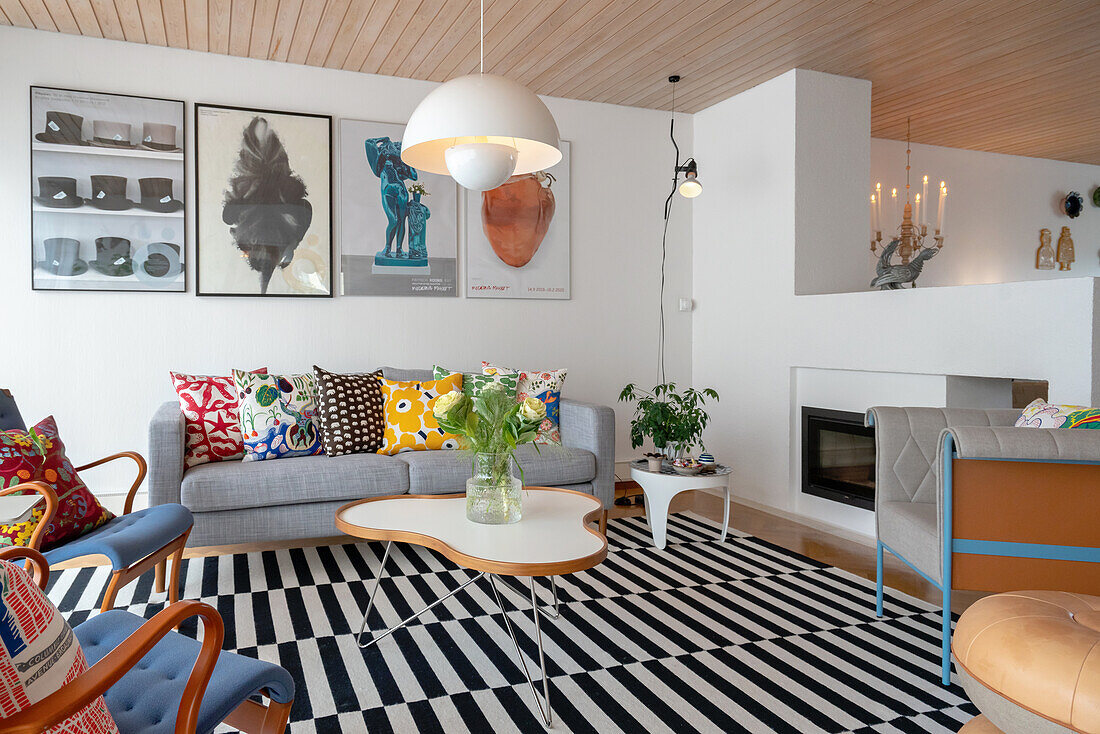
column 40, row 654
column 473, row 382
column 278, row 415
column 209, row 407
column 39, row 455
column 410, row 423
column 1041, row 414
column 545, row 385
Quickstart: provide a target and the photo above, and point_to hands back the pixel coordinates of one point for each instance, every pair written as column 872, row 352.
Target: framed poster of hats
column 264, row 202
column 398, row 226
column 107, row 192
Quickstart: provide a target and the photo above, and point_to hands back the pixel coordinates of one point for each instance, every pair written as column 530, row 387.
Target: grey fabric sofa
column 288, row 499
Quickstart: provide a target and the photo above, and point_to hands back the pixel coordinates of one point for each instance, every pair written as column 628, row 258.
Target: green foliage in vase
column 491, row 423
column 668, row 417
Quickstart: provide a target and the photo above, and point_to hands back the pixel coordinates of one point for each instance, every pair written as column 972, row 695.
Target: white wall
column 751, row 330
column 832, row 158
column 100, row 361
column 996, row 205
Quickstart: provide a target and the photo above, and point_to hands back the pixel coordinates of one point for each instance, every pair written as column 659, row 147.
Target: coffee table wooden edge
column 474, row 562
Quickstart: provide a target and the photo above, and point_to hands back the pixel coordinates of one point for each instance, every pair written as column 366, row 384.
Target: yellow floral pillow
column 410, row 424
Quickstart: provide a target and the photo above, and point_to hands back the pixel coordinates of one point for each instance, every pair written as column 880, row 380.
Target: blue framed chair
column 969, row 501
column 133, row 542
column 157, row 681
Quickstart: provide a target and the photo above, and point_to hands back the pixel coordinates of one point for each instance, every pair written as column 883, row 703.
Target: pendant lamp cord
column 664, row 244
column 482, row 36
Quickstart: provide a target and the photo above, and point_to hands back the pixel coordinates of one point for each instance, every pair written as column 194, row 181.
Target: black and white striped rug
column 742, row 636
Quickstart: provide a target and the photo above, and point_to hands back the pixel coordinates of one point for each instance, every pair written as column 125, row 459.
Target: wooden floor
column 818, row 544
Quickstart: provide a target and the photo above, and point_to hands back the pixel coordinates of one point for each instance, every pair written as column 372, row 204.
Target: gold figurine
column 1044, row 258
column 1065, row 250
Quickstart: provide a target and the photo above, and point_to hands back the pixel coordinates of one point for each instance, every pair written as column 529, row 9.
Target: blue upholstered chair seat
column 128, row 538
column 147, row 698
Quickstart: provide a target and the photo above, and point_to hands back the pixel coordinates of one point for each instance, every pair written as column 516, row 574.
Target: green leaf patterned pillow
column 473, row 382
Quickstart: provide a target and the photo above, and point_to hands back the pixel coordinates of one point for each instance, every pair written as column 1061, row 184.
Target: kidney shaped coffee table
column 553, row 538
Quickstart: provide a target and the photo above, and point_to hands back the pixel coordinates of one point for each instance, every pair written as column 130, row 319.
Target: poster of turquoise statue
column 397, row 226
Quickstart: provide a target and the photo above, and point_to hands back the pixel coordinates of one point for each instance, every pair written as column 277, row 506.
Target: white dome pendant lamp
column 481, row 129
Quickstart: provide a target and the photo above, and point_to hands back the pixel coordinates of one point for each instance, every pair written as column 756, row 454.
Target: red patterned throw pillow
column 39, row 654
column 39, row 455
column 210, row 407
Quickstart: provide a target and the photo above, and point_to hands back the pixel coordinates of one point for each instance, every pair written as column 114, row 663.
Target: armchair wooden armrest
column 85, row 688
column 35, row 561
column 51, row 507
column 141, row 466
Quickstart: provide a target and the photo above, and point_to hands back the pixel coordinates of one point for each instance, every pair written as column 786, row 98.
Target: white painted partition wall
column 100, row 361
column 756, row 341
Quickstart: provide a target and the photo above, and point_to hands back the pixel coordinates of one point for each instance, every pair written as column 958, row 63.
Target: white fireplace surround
column 788, row 172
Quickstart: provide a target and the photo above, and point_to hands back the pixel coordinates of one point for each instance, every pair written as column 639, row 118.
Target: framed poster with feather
column 264, row 202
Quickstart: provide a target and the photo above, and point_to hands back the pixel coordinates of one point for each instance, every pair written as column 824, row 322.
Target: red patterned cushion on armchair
column 39, row 455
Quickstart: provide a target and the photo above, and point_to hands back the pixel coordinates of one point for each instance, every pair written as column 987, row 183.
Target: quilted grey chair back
column 10, row 420
column 906, row 441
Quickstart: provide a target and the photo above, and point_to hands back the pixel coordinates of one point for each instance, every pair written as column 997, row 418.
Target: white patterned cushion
column 545, row 385
column 39, row 654
column 278, row 415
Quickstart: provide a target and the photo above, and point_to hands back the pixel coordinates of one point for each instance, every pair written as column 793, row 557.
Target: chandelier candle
column 924, row 197
column 939, row 212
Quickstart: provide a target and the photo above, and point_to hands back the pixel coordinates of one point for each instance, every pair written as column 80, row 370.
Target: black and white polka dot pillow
column 351, row 411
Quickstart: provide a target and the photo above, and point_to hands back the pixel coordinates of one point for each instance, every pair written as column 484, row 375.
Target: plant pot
column 654, row 463
column 493, row 495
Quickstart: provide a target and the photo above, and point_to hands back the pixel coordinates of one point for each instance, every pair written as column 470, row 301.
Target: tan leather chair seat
column 1035, row 659
column 980, row 725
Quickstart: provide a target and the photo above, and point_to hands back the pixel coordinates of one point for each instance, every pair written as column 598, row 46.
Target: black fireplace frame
column 825, row 488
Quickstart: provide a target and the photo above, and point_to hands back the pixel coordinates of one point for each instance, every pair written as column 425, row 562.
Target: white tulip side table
column 553, row 538
column 659, row 488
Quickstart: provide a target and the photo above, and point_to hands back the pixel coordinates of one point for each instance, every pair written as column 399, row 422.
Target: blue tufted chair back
column 10, row 420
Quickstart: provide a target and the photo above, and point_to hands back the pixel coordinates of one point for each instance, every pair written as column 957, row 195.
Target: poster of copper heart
column 398, row 226
column 518, row 236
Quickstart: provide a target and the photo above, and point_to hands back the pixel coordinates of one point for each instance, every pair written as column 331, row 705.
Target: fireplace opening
column 838, row 457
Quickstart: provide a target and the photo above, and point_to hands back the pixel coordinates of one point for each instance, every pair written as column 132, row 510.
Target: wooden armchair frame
column 250, row 716
column 157, row 559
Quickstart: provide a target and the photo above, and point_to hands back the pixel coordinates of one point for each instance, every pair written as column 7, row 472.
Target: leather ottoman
column 1030, row 661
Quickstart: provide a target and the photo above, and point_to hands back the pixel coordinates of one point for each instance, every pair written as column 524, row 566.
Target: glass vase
column 493, row 495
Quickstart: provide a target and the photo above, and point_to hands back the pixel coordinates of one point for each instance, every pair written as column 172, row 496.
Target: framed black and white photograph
column 107, row 192
column 264, row 202
column 398, row 226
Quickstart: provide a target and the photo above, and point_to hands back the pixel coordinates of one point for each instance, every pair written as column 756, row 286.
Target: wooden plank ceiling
column 1019, row 77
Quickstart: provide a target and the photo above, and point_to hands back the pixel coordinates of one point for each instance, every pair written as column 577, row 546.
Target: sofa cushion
column 410, row 423
column 402, row 374
column 39, row 455
column 233, row 485
column 443, row 472
column 278, row 415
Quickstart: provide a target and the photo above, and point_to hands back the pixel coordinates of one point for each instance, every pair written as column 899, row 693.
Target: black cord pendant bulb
column 690, row 188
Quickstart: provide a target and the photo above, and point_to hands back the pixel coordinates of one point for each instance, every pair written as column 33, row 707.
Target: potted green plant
column 672, row 419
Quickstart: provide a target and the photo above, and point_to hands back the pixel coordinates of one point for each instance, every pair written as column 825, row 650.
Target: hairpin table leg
column 399, row 625
column 542, row 608
column 546, row 712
